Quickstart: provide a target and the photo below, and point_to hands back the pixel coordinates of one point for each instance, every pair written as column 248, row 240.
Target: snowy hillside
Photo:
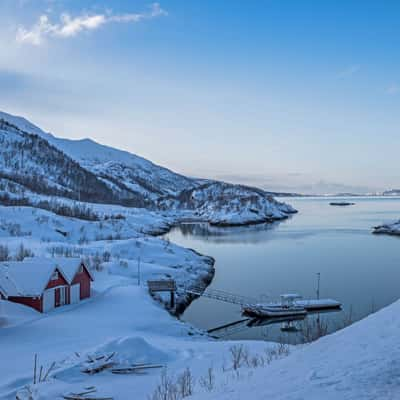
column 119, row 169
column 360, row 362
column 35, row 161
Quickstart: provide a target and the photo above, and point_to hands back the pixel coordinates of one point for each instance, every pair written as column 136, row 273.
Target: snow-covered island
column 388, row 229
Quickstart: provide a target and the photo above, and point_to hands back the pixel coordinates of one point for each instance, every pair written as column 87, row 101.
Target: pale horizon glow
column 304, row 98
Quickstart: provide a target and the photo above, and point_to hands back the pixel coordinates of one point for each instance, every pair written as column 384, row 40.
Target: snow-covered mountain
column 39, row 162
column 121, row 171
column 34, row 164
column 391, row 192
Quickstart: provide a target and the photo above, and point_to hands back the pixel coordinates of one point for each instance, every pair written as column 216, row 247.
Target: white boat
column 286, row 307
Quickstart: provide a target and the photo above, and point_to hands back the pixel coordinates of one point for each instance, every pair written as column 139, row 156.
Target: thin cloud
column 393, row 89
column 71, row 26
column 350, row 71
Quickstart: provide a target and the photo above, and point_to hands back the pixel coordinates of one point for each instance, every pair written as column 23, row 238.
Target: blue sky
column 288, row 95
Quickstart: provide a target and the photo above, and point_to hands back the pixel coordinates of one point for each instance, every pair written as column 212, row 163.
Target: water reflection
column 293, row 329
column 357, row 268
column 251, row 234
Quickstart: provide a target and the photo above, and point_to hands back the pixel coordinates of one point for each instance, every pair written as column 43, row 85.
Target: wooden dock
column 273, row 308
column 220, row 295
column 163, row 285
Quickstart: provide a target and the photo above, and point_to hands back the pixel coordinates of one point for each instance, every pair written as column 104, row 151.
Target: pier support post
column 172, row 299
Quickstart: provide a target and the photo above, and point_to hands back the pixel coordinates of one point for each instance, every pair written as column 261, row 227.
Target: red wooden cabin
column 79, row 278
column 45, row 283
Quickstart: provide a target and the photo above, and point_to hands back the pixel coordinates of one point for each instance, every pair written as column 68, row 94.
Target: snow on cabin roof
column 6, row 285
column 70, row 267
column 31, row 276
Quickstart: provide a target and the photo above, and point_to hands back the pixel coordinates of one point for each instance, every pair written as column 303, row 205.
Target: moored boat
column 268, row 310
column 285, row 308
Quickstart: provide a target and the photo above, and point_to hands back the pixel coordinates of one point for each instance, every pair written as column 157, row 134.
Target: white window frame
column 55, row 276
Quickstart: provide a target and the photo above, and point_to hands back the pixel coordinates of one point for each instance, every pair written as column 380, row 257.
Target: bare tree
column 4, row 253
column 208, row 381
column 185, row 383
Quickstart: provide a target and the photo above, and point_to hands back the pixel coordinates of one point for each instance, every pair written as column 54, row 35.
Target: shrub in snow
column 22, row 253
column 185, row 383
column 4, row 253
column 96, row 262
column 207, row 382
column 313, row 329
column 170, row 388
column 239, row 356
column 106, row 256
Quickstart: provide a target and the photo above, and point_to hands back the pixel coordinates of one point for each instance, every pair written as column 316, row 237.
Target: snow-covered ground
column 359, row 362
column 121, row 313
column 121, row 318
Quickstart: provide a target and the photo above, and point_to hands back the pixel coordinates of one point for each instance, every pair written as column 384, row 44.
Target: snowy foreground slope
column 33, row 162
column 360, row 362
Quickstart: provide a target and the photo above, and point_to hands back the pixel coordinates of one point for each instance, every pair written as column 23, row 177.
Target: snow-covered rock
column 389, row 229
column 225, row 204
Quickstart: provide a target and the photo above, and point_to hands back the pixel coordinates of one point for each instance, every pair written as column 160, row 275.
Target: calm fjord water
column 358, row 268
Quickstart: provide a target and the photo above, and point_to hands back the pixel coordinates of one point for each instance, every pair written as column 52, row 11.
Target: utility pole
column 138, row 271
column 318, row 281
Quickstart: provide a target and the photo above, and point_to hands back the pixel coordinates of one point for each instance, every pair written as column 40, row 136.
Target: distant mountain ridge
column 84, row 170
column 391, row 192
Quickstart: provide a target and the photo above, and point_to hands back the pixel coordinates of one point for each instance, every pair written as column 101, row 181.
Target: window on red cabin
column 80, row 269
column 54, row 276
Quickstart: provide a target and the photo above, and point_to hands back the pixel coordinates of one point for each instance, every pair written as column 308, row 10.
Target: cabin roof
column 30, row 277
column 70, row 267
column 5, row 285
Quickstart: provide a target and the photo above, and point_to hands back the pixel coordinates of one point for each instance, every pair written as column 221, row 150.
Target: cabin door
column 75, row 293
column 60, row 296
column 63, row 295
column 49, row 300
